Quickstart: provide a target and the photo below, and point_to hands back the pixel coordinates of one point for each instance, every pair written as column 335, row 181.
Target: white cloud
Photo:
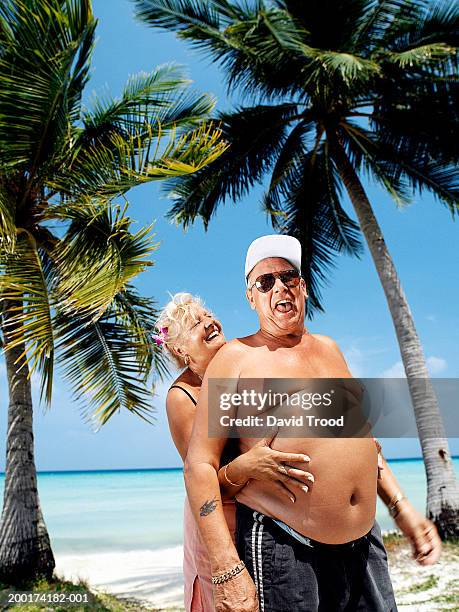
column 354, row 359
column 360, row 360
column 395, row 371
column 435, row 365
column 431, row 317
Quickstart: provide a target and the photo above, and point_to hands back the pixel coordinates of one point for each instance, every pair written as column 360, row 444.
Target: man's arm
column 201, row 469
column 201, row 480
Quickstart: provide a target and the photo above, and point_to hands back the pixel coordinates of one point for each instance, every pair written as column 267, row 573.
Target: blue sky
column 422, row 239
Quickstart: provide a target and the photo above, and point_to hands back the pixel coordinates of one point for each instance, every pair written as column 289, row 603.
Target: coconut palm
column 335, row 91
column 68, row 255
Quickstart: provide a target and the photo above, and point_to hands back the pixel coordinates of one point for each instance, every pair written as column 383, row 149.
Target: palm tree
column 335, row 90
column 68, row 257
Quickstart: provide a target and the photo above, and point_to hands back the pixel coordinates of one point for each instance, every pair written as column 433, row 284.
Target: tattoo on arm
column 208, row 507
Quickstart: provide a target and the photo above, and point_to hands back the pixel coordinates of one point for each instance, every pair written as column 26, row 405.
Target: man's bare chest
column 291, row 363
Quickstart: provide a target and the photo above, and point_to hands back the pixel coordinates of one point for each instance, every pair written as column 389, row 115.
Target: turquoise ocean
column 128, row 510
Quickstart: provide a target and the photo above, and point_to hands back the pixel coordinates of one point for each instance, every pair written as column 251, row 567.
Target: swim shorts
column 291, row 576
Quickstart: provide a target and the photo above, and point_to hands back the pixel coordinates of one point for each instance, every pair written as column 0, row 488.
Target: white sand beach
column 155, row 577
column 432, row 588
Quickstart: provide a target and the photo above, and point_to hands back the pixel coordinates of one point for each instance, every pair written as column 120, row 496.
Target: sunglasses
column 265, row 282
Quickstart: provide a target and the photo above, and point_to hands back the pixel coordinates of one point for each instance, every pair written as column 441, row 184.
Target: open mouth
column 212, row 334
column 284, row 306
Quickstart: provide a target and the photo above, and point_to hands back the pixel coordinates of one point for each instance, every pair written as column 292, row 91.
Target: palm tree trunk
column 25, row 549
column 442, row 486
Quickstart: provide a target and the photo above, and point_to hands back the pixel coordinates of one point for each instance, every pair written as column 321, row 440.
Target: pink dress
column 196, row 566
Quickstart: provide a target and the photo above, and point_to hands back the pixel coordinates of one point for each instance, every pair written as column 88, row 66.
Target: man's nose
column 279, row 285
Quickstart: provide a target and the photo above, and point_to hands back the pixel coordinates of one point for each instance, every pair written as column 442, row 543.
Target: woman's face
column 203, row 336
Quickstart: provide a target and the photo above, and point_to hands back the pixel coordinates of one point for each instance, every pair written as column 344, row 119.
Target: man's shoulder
column 323, row 338
column 329, row 350
column 228, row 360
column 234, row 347
column 326, row 341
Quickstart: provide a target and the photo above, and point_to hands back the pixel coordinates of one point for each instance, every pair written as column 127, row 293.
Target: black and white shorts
column 293, row 577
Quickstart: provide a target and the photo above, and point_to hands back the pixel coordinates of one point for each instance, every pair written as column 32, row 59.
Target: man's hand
column 238, row 594
column 421, row 532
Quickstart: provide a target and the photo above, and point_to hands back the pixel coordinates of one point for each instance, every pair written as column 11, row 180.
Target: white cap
column 274, row 245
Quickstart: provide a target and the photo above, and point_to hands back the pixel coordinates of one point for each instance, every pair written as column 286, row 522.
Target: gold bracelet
column 221, row 578
column 234, row 484
column 392, row 505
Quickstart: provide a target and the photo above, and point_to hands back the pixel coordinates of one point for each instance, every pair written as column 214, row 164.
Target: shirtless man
column 323, row 551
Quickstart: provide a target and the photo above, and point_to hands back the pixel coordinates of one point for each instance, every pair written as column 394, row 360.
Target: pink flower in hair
column 161, row 338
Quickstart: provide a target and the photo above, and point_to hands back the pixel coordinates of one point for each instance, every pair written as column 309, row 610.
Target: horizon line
column 164, row 469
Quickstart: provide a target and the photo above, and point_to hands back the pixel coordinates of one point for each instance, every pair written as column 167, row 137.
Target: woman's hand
column 380, row 458
column 421, row 532
column 261, row 462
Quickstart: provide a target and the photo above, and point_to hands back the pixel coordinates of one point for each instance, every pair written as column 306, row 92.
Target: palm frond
column 42, row 70
column 47, row 25
column 368, row 154
column 180, row 15
column 254, row 135
column 7, row 223
column 429, row 54
column 111, row 169
column 434, row 176
column 400, row 170
column 376, row 25
column 159, row 97
column 33, row 110
column 98, row 256
column 268, row 48
column 285, row 170
column 58, row 163
column 395, row 57
column 424, row 22
column 100, row 361
column 24, row 282
column 233, row 34
column 202, row 22
column 314, row 214
column 421, row 113
column 139, row 315
column 331, row 25
column 80, row 70
column 350, row 68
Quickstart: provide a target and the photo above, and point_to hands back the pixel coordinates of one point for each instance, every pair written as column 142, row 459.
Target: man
column 321, row 552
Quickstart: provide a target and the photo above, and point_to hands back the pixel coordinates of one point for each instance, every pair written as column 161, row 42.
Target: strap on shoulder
column 184, row 391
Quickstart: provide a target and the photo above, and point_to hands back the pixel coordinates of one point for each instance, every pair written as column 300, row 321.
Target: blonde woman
column 192, row 335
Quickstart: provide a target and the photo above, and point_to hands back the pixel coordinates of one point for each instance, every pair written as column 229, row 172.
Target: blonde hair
column 177, row 316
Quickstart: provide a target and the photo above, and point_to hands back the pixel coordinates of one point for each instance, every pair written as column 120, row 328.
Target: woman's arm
column 180, row 415
column 421, row 532
column 261, row 462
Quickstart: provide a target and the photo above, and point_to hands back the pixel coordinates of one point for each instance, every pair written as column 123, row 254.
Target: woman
column 192, row 336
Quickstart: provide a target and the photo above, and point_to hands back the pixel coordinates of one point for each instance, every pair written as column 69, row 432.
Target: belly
column 341, row 504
